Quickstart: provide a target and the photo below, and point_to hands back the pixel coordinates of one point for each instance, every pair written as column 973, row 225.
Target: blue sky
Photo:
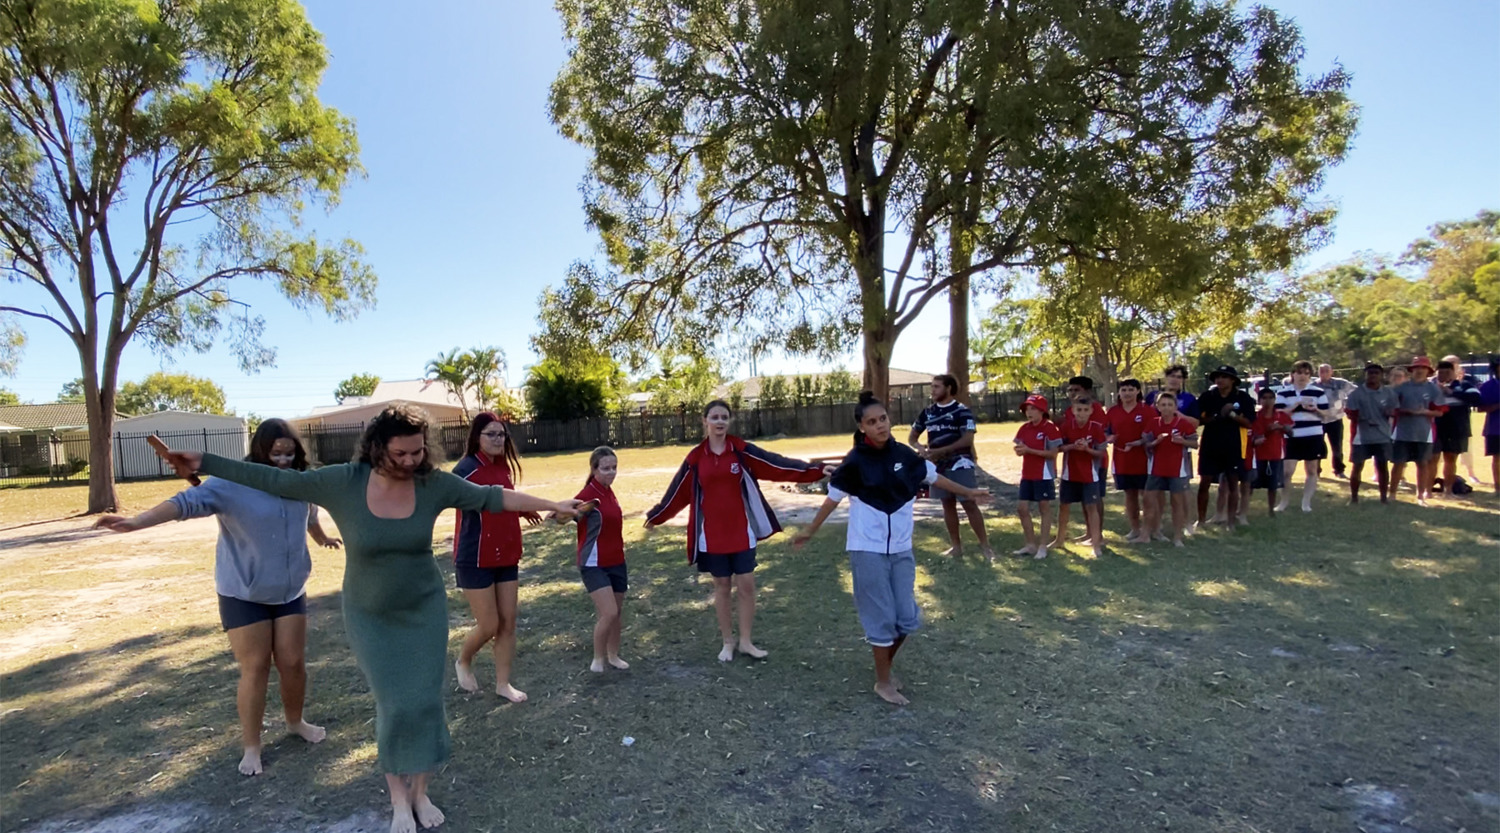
column 471, row 202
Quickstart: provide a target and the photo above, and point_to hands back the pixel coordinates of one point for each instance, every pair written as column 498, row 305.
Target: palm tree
column 448, row 369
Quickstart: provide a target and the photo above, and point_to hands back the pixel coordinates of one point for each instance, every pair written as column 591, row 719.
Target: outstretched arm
column 159, row 514
column 806, row 533
column 679, row 494
column 311, row 486
column 768, row 465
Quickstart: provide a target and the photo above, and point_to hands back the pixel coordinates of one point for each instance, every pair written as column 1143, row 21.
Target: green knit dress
column 395, row 604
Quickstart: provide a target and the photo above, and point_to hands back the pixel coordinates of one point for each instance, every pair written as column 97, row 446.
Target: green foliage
column 9, row 397
column 71, row 391
column 750, row 159
column 839, row 387
column 1011, row 350
column 683, row 383
column 360, row 384
column 155, row 159
column 476, row 375
column 163, row 391
column 12, row 343
column 774, row 392
column 1442, row 296
column 554, row 392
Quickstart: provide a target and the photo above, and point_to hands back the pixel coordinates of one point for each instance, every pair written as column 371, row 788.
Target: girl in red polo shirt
column 601, row 557
column 727, row 515
column 486, row 555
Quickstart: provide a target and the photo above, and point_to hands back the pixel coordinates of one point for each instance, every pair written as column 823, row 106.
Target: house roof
column 750, row 387
column 420, row 391
column 196, row 414
column 52, row 415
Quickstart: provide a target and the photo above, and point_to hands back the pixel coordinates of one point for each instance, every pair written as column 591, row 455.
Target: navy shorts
column 237, row 613
column 1212, row 466
column 1492, row 446
column 1449, row 444
column 1130, row 482
column 1270, row 475
column 1175, row 485
column 598, row 578
column 478, row 578
column 1087, row 494
column 1033, row 491
column 724, row 566
column 1306, row 448
column 963, row 477
column 1407, row 451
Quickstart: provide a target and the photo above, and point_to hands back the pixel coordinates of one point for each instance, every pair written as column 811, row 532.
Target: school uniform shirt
column 1187, row 404
column 1306, row 406
column 1338, row 390
column 945, row 425
column 601, row 533
column 1416, row 396
column 1169, row 459
column 1489, row 394
column 1460, row 400
column 1127, row 427
column 1223, row 438
column 726, row 511
column 486, row 539
column 1274, row 447
column 1370, row 412
column 881, row 485
column 1043, row 436
column 1080, row 466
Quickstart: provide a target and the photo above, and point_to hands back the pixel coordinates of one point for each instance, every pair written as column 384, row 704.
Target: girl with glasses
column 487, row 555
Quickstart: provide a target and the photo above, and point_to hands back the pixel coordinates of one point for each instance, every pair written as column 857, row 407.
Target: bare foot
column 1160, row 536
column 1057, row 544
column 1026, row 550
column 250, row 763
column 402, row 821
column 1421, row 501
column 1243, row 520
column 307, row 731
column 988, row 551
column 726, row 654
column 955, row 551
column 597, row 666
column 616, row 662
column 466, row 679
column 896, row 681
column 1177, row 542
column 1098, row 550
column 750, row 650
column 1040, row 554
column 889, row 693
column 428, row 815
column 1133, row 538
column 511, row 693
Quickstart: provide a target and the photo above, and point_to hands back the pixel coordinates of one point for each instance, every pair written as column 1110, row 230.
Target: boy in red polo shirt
column 1083, row 447
column 1125, row 424
column 1171, row 469
column 1268, row 445
column 1037, row 442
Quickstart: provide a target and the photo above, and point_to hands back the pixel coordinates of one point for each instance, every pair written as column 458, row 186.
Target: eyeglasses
column 493, row 436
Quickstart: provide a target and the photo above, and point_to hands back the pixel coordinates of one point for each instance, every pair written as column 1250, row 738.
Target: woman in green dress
column 395, row 603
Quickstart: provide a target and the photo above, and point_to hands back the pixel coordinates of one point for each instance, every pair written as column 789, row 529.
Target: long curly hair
column 398, row 419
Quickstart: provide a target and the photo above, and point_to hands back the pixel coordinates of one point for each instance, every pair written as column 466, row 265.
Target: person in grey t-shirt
column 260, row 571
column 1417, row 404
column 1370, row 407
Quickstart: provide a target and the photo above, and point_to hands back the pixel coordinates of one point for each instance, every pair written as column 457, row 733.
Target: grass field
column 1336, row 671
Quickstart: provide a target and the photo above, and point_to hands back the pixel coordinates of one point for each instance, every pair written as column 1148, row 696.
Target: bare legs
column 410, row 805
column 609, row 608
column 494, row 609
column 1357, row 471
column 1133, row 513
column 1036, row 540
column 886, row 684
column 744, row 584
column 256, row 647
column 976, row 523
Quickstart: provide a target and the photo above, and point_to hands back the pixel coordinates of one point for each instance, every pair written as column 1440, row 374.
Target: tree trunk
column 878, row 344
column 100, row 403
column 960, row 257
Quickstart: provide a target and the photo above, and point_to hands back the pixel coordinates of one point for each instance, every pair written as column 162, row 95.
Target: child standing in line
column 601, row 557
column 1171, row 437
column 1418, row 403
column 1083, row 446
column 1126, row 422
column 1268, row 445
column 1037, row 442
column 1370, row 407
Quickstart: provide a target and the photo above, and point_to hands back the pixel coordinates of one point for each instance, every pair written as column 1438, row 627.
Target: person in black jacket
column 881, row 478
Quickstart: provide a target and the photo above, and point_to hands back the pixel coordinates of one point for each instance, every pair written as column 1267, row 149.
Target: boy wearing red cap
column 1037, row 442
column 1417, row 405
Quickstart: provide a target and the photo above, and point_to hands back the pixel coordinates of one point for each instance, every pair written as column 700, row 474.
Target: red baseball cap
column 1037, row 401
column 1420, row 361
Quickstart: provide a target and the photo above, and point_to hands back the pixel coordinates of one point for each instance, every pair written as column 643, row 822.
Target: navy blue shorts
column 237, row 613
column 1174, row 485
column 598, row 578
column 1270, row 475
column 724, row 566
column 1130, row 482
column 1033, row 491
column 1087, row 494
column 478, row 578
column 1492, row 446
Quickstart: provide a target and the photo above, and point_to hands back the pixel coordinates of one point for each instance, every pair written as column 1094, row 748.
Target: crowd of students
column 1246, row 443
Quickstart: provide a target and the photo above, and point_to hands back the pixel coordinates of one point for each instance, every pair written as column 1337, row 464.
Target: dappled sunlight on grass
column 1224, row 590
column 1076, row 567
column 1304, row 578
column 1435, row 568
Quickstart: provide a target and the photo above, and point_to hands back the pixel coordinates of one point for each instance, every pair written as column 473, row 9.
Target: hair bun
column 867, row 397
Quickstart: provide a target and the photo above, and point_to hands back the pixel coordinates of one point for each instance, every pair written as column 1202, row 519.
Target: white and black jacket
column 881, row 484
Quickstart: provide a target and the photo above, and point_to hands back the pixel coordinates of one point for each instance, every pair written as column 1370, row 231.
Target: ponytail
column 866, row 399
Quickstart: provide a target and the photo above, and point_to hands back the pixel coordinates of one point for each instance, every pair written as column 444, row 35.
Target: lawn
column 1336, row 671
